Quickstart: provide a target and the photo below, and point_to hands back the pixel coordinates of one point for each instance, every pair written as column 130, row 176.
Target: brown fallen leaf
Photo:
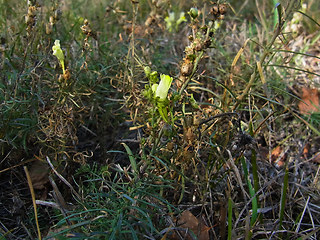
column 278, row 157
column 306, row 150
column 39, row 174
column 316, row 157
column 310, row 101
column 189, row 221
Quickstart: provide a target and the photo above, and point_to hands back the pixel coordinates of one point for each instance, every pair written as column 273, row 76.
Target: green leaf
column 132, row 159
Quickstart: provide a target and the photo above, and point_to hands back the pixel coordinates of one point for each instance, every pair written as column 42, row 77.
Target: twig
column 302, row 215
column 48, row 204
column 62, row 178
column 238, row 176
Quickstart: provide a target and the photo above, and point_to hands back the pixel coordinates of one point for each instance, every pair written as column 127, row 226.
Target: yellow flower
column 173, row 23
column 163, row 88
column 57, row 51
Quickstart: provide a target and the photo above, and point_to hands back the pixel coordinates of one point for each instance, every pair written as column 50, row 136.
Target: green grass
column 137, row 162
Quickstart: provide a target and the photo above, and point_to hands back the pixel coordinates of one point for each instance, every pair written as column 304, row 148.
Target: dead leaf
column 53, row 231
column 189, row 221
column 39, row 173
column 306, row 150
column 277, row 156
column 275, row 153
column 316, row 157
column 310, row 101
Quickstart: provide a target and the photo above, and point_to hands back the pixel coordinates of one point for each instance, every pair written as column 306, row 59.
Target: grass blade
column 251, row 192
column 132, row 159
column 283, row 196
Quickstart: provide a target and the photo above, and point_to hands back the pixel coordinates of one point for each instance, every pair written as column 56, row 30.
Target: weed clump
column 159, row 119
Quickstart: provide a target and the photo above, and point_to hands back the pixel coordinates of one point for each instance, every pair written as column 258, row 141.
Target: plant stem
column 263, row 56
column 193, row 72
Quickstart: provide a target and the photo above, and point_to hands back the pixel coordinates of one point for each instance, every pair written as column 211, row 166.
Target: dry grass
column 229, row 154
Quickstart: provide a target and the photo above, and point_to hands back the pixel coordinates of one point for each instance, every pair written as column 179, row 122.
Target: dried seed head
column 150, row 20
column 86, row 29
column 198, row 45
column 67, row 75
column 222, row 9
column 51, row 20
column 189, row 50
column 28, row 20
column 207, row 43
column 32, row 11
column 149, row 31
column 221, row 17
column 49, row 28
column 215, row 9
column 219, row 10
column 186, row 68
column 179, row 82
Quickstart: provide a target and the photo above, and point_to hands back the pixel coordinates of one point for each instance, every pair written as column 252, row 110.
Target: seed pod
column 207, row 43
column 150, row 20
column 86, row 29
column 28, row 19
column 222, row 9
column 32, row 11
column 179, row 82
column 193, row 13
column 147, row 71
column 198, row 45
column 49, row 28
column 215, row 9
column 186, row 68
column 51, row 20
column 67, row 75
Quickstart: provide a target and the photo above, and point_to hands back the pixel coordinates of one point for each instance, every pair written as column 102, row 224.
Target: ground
column 159, row 120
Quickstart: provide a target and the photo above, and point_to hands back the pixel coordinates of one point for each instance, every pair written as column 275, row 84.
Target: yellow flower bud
column 57, row 51
column 154, row 87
